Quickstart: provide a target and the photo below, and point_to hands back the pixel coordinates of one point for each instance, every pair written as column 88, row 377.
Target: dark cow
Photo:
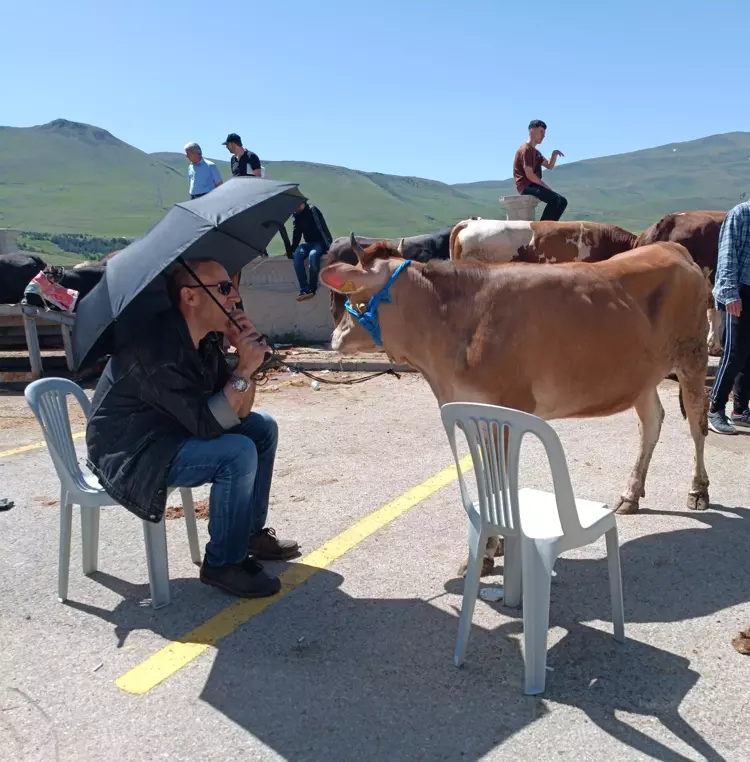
column 419, row 248
column 698, row 232
column 16, row 270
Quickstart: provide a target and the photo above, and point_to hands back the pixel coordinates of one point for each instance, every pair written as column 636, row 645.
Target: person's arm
column 296, row 233
column 550, row 163
column 329, row 239
column 528, row 166
column 254, row 163
column 732, row 238
column 217, row 176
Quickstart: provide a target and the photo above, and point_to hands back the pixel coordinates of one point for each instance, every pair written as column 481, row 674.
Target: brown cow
column 582, row 340
column 698, row 232
column 497, row 241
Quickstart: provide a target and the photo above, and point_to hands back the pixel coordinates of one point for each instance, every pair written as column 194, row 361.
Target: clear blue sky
column 435, row 89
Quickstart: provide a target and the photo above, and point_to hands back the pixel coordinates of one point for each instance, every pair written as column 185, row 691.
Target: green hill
column 71, row 177
column 636, row 189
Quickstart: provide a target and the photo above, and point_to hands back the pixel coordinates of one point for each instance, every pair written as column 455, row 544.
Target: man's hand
column 735, row 308
column 557, row 153
column 250, row 346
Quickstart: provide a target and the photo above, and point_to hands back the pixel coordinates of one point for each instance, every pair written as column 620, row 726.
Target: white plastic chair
column 537, row 526
column 47, row 398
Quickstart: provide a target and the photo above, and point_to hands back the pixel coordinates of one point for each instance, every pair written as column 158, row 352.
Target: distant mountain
column 636, row 189
column 71, row 177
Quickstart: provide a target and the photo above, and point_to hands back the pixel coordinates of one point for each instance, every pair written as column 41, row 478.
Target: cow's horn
column 356, row 248
column 401, row 246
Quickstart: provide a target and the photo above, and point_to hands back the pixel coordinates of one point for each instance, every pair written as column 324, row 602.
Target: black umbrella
column 232, row 225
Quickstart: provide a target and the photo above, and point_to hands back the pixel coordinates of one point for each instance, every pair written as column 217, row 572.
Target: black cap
column 233, row 137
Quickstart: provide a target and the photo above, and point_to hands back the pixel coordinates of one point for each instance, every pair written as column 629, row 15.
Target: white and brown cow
column 626, row 322
column 498, row 241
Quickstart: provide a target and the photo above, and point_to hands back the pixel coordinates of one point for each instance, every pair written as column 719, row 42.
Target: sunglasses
column 225, row 287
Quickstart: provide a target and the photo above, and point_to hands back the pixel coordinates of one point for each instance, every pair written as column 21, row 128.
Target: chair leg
column 66, row 529
column 536, row 594
column 90, row 538
column 512, row 577
column 477, row 541
column 188, row 508
column 615, row 584
column 158, row 565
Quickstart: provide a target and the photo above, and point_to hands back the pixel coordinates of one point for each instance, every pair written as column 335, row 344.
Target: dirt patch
column 176, row 511
column 741, row 642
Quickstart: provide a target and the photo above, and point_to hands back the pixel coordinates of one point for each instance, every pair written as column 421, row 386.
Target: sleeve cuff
column 223, row 411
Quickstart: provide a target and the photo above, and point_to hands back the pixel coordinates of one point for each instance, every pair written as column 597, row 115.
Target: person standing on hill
column 308, row 221
column 203, row 175
column 243, row 162
column 732, row 296
column 527, row 172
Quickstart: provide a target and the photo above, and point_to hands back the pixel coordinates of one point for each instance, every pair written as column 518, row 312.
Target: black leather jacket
column 154, row 394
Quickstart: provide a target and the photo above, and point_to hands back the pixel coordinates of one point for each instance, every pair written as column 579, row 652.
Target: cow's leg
column 714, row 332
column 692, row 384
column 650, row 417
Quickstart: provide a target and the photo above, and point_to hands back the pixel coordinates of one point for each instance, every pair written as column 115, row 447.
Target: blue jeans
column 240, row 466
column 301, row 253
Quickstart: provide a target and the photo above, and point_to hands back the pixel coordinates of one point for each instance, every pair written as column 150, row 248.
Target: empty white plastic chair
column 537, row 526
column 47, row 398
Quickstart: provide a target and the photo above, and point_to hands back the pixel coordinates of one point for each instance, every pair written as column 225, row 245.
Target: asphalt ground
column 354, row 660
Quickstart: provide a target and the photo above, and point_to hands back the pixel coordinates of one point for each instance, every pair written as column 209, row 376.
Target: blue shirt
column 733, row 265
column 203, row 176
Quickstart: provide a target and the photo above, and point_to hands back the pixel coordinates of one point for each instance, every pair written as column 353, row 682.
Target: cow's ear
column 346, row 279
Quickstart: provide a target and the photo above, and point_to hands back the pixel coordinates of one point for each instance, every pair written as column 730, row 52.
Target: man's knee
column 241, row 454
column 562, row 202
column 265, row 428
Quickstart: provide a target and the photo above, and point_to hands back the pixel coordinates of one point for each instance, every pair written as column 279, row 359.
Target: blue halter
column 369, row 320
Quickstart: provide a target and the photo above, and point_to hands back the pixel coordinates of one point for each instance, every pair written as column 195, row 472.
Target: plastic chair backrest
column 47, row 399
column 494, row 435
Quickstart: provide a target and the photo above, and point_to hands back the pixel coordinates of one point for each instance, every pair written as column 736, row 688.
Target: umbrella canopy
column 232, row 225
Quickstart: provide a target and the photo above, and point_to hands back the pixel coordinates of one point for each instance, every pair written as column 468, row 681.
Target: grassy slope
column 71, row 177
column 636, row 189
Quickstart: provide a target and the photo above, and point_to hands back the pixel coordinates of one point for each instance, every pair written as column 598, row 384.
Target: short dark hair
column 180, row 277
column 534, row 123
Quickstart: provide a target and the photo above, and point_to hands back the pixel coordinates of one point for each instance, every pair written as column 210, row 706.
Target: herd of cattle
column 556, row 242
column 490, row 241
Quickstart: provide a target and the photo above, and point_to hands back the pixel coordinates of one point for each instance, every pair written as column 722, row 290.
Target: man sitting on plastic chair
column 167, row 412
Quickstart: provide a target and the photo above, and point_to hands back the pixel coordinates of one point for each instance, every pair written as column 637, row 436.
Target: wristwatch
column 239, row 384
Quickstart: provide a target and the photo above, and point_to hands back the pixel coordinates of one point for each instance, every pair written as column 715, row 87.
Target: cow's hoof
column 741, row 642
column 699, row 502
column 488, row 566
column 627, row 507
column 714, row 351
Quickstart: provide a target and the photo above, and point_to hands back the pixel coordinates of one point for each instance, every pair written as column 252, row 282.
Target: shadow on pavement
column 322, row 675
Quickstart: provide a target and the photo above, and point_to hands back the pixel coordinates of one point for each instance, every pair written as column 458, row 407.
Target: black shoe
column 268, row 547
column 245, row 580
column 741, row 419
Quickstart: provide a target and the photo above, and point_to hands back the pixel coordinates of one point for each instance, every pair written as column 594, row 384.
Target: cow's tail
column 454, row 245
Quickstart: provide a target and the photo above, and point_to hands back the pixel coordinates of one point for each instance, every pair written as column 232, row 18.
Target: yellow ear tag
column 348, row 287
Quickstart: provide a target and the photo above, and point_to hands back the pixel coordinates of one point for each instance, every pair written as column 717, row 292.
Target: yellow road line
column 179, row 653
column 35, row 446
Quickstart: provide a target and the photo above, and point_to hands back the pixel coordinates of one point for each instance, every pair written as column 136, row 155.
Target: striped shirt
column 733, row 265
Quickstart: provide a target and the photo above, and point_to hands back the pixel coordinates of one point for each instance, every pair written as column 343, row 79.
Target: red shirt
column 526, row 156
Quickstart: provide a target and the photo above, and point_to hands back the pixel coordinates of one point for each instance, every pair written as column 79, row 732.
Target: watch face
column 240, row 384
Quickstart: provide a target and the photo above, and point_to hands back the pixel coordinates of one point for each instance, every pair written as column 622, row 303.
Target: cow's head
column 357, row 284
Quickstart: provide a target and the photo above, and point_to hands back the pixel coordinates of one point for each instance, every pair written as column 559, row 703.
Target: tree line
column 88, row 246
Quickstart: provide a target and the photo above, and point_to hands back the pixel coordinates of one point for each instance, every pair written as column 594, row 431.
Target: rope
column 273, row 361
